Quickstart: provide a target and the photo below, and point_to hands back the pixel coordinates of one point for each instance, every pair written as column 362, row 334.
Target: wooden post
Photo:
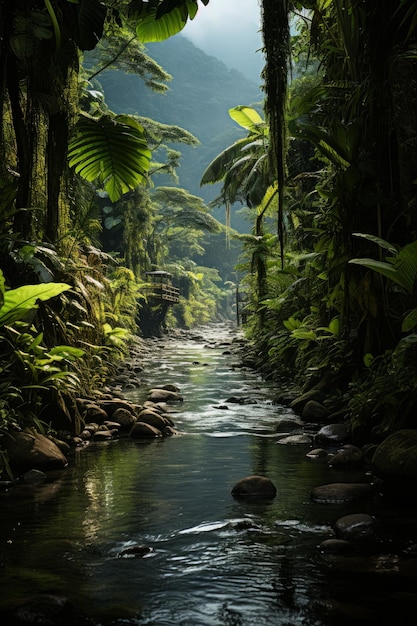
column 237, row 304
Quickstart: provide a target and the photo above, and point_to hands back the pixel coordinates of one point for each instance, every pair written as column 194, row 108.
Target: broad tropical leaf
column 18, row 302
column 382, row 243
column 158, row 24
column 91, row 17
column 246, row 117
column 111, row 151
column 401, row 269
column 217, row 169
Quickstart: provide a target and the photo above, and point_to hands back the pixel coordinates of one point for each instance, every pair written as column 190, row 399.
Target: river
column 215, row 561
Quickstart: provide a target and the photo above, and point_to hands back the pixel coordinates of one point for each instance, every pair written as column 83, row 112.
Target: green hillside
column 200, row 94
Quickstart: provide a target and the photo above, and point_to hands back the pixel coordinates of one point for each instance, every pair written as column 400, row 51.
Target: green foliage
column 17, row 303
column 157, row 23
column 243, row 167
column 400, row 268
column 110, row 152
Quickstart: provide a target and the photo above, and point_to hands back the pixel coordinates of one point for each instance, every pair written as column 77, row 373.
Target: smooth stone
column 299, row 403
column 34, row 476
column 124, row 417
column 347, row 456
column 357, row 528
column 164, row 395
column 314, row 411
column 295, row 440
column 29, row 449
column 333, row 433
column 135, row 551
column 254, row 487
column 340, row 492
column 317, row 453
column 336, row 546
column 148, row 416
column 140, row 430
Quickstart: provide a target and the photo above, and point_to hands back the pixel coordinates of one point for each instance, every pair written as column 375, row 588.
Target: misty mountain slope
column 200, row 94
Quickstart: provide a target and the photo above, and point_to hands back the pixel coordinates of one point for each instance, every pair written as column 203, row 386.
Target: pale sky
column 230, row 31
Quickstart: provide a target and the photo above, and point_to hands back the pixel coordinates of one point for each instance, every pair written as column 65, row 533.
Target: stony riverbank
column 377, row 541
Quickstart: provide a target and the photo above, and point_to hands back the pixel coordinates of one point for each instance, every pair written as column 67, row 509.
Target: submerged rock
column 135, row 551
column 254, row 487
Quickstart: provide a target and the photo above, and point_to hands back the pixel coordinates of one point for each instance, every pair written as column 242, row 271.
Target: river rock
column 333, row 433
column 94, row 413
column 170, row 387
column 34, row 476
column 314, row 411
column 358, row 528
column 299, row 403
column 317, row 453
column 295, row 440
column 138, row 551
column 124, row 417
column 254, row 487
column 348, row 456
column 153, row 418
column 164, row 395
column 340, row 492
column 29, row 449
column 140, row 430
column 336, row 546
column 111, row 405
column 396, row 456
column 103, row 435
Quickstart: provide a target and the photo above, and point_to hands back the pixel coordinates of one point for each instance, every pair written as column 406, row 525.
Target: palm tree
column 243, row 167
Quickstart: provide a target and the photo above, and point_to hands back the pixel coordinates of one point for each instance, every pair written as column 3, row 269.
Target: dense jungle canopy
column 325, row 167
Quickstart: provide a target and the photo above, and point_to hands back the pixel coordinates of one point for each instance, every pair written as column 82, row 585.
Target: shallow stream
column 215, row 561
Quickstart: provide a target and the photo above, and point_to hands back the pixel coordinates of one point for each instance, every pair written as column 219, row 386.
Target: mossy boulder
column 396, row 456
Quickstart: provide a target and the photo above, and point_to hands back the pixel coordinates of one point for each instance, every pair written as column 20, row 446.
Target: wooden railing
column 163, row 291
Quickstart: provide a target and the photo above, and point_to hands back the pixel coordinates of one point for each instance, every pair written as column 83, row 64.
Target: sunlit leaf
column 18, row 302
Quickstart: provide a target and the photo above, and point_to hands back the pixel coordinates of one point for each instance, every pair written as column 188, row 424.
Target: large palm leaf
column 239, row 164
column 157, row 23
column 111, row 151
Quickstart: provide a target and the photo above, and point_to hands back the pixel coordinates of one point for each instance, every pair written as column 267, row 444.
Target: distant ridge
column 202, row 90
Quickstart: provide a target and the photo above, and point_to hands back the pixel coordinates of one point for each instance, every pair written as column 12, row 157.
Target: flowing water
column 215, row 561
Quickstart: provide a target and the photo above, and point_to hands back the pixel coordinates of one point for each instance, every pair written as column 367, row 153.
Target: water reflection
column 215, row 561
